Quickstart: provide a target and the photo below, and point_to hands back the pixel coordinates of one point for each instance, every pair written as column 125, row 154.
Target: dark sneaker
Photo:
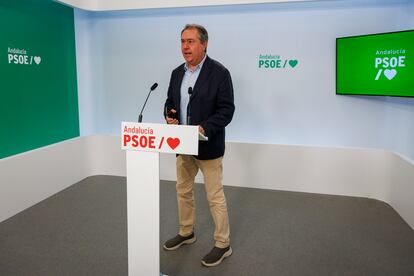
column 177, row 241
column 216, row 256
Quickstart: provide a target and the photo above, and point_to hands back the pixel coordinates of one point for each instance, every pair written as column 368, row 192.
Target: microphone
column 190, row 92
column 151, row 89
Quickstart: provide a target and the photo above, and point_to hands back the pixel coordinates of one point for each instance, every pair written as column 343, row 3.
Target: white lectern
column 143, row 143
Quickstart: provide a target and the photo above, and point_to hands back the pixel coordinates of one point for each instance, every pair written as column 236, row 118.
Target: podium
column 143, row 143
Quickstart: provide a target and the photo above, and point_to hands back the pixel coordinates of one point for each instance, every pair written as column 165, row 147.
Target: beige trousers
column 187, row 168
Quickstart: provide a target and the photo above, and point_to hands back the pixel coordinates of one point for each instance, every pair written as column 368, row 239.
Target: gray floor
column 82, row 231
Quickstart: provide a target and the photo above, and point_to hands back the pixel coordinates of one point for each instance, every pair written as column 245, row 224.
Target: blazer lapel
column 202, row 78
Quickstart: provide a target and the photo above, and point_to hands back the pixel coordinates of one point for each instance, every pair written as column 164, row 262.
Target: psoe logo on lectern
column 144, row 138
column 159, row 138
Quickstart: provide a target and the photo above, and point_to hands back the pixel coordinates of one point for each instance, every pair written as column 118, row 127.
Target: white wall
column 123, row 53
column 376, row 174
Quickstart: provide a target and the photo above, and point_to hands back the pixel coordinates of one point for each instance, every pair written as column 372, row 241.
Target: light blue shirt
column 189, row 80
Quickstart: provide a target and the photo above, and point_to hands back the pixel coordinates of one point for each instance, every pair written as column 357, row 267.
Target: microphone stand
column 140, row 114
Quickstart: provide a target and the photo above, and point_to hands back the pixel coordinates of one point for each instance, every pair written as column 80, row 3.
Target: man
column 201, row 93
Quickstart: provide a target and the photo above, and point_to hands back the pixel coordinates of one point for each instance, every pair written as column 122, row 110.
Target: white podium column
column 143, row 190
column 143, row 143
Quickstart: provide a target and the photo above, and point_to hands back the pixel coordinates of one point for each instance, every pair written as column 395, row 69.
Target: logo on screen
column 388, row 62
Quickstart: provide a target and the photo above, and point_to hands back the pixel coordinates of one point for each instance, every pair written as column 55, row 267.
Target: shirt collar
column 198, row 67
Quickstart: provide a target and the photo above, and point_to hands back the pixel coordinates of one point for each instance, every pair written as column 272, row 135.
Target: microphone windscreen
column 154, row 86
column 190, row 90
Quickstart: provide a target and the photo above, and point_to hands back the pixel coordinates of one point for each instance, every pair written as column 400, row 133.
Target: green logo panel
column 38, row 89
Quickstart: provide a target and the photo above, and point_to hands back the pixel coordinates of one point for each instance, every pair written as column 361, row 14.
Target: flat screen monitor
column 376, row 64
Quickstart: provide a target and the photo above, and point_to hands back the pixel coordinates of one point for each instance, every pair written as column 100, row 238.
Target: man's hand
column 172, row 121
column 201, row 130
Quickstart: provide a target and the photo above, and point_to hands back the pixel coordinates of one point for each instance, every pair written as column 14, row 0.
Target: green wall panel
column 38, row 88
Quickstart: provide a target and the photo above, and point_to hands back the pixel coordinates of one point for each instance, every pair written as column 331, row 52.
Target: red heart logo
column 173, row 142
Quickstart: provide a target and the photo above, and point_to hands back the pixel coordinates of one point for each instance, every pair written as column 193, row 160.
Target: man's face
column 192, row 48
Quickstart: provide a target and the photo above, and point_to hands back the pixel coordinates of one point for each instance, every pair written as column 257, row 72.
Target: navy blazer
column 212, row 104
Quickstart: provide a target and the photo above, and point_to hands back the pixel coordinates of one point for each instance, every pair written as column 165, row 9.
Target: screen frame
column 336, row 65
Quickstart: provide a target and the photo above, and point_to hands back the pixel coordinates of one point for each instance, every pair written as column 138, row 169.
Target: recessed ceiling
column 107, row 5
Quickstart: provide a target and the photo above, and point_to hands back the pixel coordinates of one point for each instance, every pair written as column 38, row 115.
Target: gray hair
column 202, row 32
